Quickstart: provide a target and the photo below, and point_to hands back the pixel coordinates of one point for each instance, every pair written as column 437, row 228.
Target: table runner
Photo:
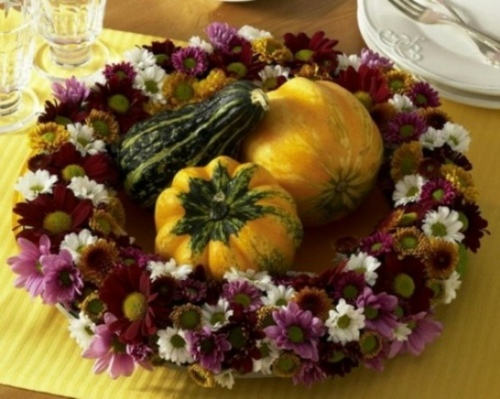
column 37, row 353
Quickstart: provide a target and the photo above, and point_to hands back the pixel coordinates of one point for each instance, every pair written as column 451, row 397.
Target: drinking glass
column 70, row 29
column 18, row 105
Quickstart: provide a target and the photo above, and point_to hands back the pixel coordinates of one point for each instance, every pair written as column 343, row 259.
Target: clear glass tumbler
column 18, row 105
column 70, row 29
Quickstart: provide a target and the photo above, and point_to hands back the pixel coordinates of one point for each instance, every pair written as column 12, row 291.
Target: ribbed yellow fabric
column 37, row 353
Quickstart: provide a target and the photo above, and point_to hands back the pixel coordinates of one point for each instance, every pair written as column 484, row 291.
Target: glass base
column 47, row 67
column 28, row 110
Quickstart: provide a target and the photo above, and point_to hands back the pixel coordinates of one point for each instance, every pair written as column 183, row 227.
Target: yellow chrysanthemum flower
column 48, row 137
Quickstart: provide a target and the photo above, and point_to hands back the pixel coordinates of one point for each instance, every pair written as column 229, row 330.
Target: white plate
column 445, row 91
column 439, row 53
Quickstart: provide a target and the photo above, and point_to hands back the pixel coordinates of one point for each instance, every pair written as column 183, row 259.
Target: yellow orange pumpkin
column 225, row 215
column 322, row 146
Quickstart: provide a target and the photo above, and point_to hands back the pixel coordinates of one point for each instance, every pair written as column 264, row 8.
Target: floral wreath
column 127, row 307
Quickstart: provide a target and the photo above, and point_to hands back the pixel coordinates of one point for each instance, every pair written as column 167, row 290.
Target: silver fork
column 488, row 46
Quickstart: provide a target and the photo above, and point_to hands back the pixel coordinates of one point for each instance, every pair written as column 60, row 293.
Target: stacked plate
column 441, row 54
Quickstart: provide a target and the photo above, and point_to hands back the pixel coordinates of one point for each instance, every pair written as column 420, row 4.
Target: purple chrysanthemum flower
column 242, row 293
column 63, row 280
column 404, row 127
column 71, row 91
column 27, row 265
column 208, row 348
column 130, row 255
column 122, row 70
column 111, row 355
column 220, row 34
column 308, row 374
column 438, row 191
column 296, row 330
column 140, row 352
column 377, row 244
column 191, row 61
column 423, row 95
column 373, row 59
column 424, row 330
column 379, row 312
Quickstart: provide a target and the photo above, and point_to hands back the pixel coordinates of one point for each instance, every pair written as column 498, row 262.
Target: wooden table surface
column 180, row 19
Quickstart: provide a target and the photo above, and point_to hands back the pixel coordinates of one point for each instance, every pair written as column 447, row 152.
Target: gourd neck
column 219, row 208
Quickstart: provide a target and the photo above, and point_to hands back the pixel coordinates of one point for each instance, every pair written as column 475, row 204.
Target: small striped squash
column 226, row 215
column 154, row 150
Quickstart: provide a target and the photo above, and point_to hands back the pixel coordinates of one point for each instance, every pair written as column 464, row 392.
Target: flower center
column 237, row 338
column 48, row 137
column 344, row 322
column 134, row 306
column 412, row 192
column 404, row 285
column 295, row 333
column 177, row 341
column 206, row 345
column 304, row 55
column 406, row 131
column 370, row 345
column 189, row 63
column 62, row 120
column 57, row 222
column 370, row 312
column 218, row 317
column 101, row 127
column 119, row 103
column 183, row 92
column 238, row 68
column 409, row 242
column 365, row 99
column 438, row 229
column 438, row 194
column 151, row 86
column 350, row 291
column 189, row 319
column 71, row 171
column 65, row 278
column 243, row 299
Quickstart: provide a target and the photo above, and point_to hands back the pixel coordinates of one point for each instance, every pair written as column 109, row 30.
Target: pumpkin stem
column 219, row 208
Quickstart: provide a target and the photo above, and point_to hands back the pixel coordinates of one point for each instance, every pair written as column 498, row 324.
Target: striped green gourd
column 154, row 150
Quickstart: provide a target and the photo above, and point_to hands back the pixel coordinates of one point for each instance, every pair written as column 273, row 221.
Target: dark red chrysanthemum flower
column 475, row 226
column 127, row 294
column 55, row 215
column 405, row 278
column 163, row 52
column 63, row 113
column 239, row 62
column 337, row 359
column 349, row 285
column 445, row 154
column 368, row 84
column 304, row 47
column 122, row 70
column 423, row 95
column 67, row 163
column 119, row 98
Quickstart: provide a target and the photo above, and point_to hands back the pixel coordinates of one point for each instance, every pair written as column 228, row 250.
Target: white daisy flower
column 172, row 346
column 31, row 184
column 366, row 264
column 82, row 330
column 250, row 33
column 75, row 243
column 262, row 280
column 270, row 73
column 225, row 379
column 456, row 136
column 170, row 268
column 278, row 295
column 345, row 61
column 432, row 138
column 149, row 80
column 85, row 188
column 216, row 315
column 451, row 285
column 140, row 57
column 402, row 332
column 402, row 103
column 408, row 189
column 269, row 352
column 82, row 136
column 196, row 41
column 443, row 223
column 344, row 322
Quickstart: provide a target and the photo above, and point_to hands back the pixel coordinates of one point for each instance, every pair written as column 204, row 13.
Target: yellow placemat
column 37, row 353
